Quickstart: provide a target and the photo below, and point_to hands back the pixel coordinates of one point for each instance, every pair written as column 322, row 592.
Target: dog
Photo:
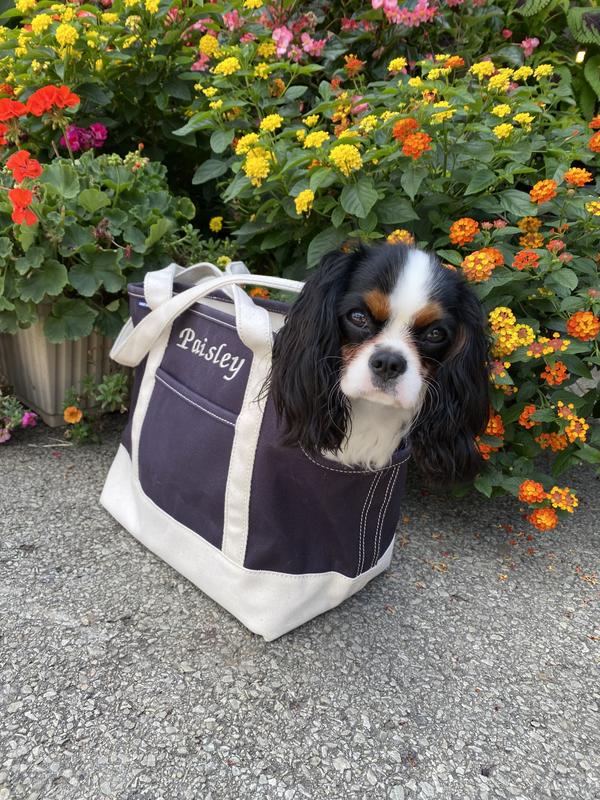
column 384, row 345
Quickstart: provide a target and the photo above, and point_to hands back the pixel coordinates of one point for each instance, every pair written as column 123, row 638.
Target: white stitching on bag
column 382, row 514
column 191, row 402
column 363, row 522
column 352, row 471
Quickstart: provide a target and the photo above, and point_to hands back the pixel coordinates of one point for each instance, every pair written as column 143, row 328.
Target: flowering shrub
column 13, row 416
column 85, row 406
column 491, row 166
column 76, row 230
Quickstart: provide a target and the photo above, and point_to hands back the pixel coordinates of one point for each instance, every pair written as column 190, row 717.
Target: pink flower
column 359, row 108
column 454, row 3
column 247, row 37
column 232, row 20
column 4, row 435
column 314, row 47
column 555, row 245
column 349, row 24
column 565, row 257
column 200, row 24
column 506, row 33
column 500, row 223
column 486, row 226
column 29, row 419
column 529, row 45
column 201, row 65
column 282, row 37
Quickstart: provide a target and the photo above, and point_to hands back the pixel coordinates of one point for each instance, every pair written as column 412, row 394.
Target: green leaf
column 515, row 202
column 481, row 180
column 26, row 235
column 585, row 24
column 6, row 247
column 337, row 217
column 359, row 198
column 220, row 140
column 69, row 319
column 323, row 243
column 33, row 259
column 49, row 279
column 394, row 210
column 294, row 92
column 532, row 7
column 589, row 454
column 100, row 268
column 209, row 170
column 186, row 208
column 451, row 256
column 93, row 199
column 321, row 178
column 62, row 177
column 411, row 180
column 483, row 484
column 75, row 237
column 591, row 71
column 157, row 231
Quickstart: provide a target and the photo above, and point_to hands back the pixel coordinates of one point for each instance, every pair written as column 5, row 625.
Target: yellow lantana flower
column 316, row 139
column 311, row 121
column 522, row 73
column 503, row 131
column 66, row 35
column 245, row 143
column 524, row 120
column 215, row 224
column 257, row 165
column 271, row 123
column 262, row 70
column 266, row 49
column 483, row 69
column 41, row 23
column 208, row 45
column 543, row 71
column 304, row 202
column 227, row 67
column 501, row 110
column 397, row 64
column 346, row 158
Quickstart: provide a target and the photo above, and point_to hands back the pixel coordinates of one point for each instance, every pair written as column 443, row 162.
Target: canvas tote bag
column 273, row 534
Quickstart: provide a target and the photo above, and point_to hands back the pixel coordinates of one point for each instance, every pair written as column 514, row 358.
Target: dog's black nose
column 387, row 365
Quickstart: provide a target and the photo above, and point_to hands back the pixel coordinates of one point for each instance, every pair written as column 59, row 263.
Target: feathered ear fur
column 305, row 374
column 444, row 436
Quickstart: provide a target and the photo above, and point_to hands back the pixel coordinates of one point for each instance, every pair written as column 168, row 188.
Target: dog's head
column 391, row 326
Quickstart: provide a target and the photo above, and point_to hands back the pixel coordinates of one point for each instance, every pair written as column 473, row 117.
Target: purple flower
column 85, row 138
column 29, row 419
column 4, row 435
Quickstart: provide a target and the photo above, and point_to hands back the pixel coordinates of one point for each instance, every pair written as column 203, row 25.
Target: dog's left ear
column 305, row 373
column 443, row 440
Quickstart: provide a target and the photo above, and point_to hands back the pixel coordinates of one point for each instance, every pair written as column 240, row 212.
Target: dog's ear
column 305, row 374
column 443, row 440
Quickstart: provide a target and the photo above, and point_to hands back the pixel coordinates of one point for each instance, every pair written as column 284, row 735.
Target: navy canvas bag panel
column 273, row 534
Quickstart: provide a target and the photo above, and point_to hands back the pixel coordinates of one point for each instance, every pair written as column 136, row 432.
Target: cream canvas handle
column 134, row 343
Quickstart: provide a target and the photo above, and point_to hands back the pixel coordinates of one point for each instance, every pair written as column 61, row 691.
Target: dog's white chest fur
column 376, row 431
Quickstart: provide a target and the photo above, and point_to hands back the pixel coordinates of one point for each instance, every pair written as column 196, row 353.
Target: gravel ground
column 469, row 671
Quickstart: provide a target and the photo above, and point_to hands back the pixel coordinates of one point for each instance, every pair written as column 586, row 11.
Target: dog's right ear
column 305, row 374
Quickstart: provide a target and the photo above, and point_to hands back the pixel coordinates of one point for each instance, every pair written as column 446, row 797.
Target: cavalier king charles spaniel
column 384, row 345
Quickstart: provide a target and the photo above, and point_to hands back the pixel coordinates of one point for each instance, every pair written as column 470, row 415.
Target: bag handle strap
column 158, row 284
column 134, row 343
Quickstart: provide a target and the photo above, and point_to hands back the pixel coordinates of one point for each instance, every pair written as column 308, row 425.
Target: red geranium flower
column 49, row 97
column 22, row 166
column 9, row 109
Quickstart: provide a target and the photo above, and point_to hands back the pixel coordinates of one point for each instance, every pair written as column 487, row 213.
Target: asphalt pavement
column 470, row 671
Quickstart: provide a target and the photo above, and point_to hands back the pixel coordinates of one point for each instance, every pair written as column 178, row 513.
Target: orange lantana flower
column 554, row 441
column 463, row 230
column 478, row 266
column 416, row 144
column 353, row 65
column 525, row 417
column 404, row 127
column 544, row 519
column 583, row 325
column 525, row 259
column 531, row 492
column 555, row 374
column 577, row 176
column 543, row 191
column 594, row 143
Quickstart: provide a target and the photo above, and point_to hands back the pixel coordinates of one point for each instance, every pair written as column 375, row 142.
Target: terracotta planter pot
column 41, row 373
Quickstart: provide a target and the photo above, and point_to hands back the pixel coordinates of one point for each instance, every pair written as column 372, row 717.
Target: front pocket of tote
column 184, row 452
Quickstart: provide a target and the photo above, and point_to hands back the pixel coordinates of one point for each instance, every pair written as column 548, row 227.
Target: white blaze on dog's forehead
column 413, row 288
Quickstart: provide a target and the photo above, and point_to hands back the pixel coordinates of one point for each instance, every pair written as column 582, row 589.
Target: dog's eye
column 435, row 335
column 358, row 318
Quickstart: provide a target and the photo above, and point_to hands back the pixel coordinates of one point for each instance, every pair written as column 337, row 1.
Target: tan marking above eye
column 378, row 304
column 428, row 314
